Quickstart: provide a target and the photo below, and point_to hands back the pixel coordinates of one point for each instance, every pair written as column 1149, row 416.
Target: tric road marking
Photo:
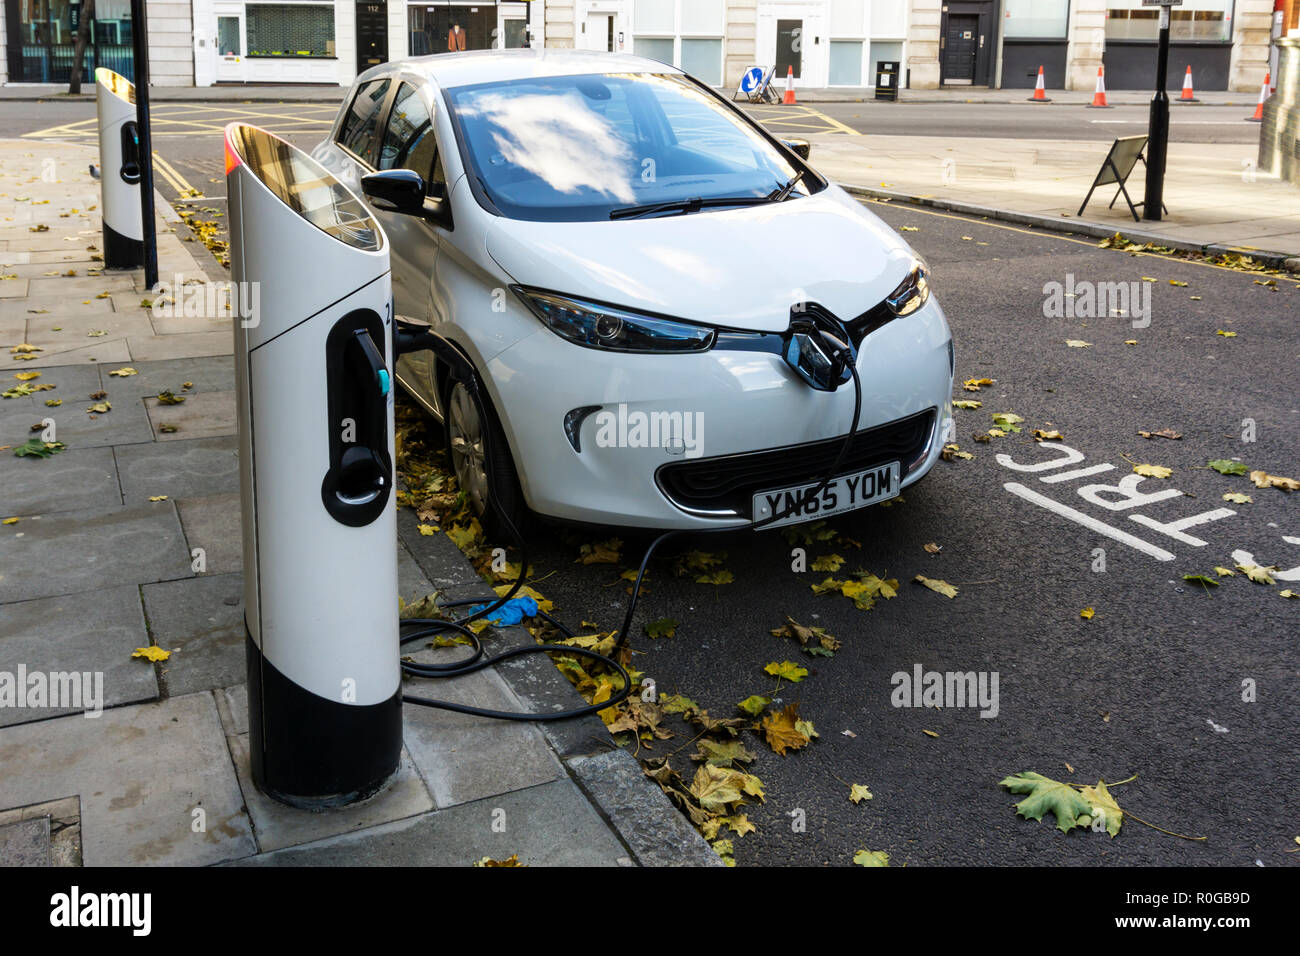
column 1089, row 522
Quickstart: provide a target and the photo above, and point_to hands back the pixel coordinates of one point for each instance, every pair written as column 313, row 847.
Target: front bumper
column 662, row 433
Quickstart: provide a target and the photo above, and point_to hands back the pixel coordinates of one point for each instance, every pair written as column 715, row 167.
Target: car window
column 573, row 148
column 409, row 141
column 360, row 125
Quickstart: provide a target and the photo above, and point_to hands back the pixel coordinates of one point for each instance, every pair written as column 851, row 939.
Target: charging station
column 120, row 173
column 313, row 324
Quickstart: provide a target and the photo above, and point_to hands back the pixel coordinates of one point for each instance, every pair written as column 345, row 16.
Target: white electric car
column 641, row 276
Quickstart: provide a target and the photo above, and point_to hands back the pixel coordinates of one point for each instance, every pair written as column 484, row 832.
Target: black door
column 960, row 46
column 789, row 48
column 372, row 35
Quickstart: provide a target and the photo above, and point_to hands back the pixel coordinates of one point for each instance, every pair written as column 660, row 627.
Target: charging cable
column 413, row 338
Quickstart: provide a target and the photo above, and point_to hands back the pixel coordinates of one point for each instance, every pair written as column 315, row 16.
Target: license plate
column 845, row 493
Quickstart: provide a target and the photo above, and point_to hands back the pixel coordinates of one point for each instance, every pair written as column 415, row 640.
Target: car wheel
column 474, row 446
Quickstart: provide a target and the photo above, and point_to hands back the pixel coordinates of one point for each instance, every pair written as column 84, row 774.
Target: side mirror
column 800, row 147
column 395, row 190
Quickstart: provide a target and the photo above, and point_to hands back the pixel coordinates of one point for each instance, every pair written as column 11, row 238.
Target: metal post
column 1158, row 129
column 140, row 43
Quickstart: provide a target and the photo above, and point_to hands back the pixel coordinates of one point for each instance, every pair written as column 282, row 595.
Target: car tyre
column 474, row 446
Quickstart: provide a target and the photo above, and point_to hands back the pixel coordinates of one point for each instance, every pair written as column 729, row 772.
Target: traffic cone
column 1099, row 97
column 1189, row 95
column 788, row 100
column 1259, row 107
column 1040, row 90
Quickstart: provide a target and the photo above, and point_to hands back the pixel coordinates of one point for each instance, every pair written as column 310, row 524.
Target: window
column 290, row 29
column 1203, row 20
column 703, row 59
column 409, row 141
column 1036, row 19
column 846, row 63
column 575, row 148
column 357, row 134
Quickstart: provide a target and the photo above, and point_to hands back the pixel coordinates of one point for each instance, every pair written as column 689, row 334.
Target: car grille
column 727, row 484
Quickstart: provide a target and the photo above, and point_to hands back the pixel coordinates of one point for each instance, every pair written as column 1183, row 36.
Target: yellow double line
column 173, row 177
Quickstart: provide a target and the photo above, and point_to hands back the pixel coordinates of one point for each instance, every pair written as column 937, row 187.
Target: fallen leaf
column 871, row 858
column 1153, row 471
column 1045, row 796
column 1263, row 479
column 1256, row 573
column 786, row 670
column 939, row 587
column 859, row 792
column 1237, row 498
column 1087, row 613
column 1225, row 466
column 664, row 627
column 967, row 405
column 781, row 731
column 1201, row 579
column 123, row 372
column 754, row 704
column 1163, row 433
column 1041, row 435
column 151, row 653
column 1226, row 335
column 931, row 548
column 1078, row 343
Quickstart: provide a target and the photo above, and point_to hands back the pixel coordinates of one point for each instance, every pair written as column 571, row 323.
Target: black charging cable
column 413, row 338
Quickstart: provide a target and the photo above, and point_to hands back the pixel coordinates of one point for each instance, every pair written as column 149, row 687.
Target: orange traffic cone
column 788, row 100
column 1099, row 97
column 1189, row 95
column 1259, row 107
column 1040, row 90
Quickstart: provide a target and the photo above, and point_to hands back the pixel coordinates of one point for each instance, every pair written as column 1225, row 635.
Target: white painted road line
column 1089, row 522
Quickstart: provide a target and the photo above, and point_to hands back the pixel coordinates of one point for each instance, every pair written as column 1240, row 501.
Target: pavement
column 1217, row 200
column 129, row 538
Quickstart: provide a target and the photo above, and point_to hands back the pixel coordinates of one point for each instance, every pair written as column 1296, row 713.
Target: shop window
column 1036, row 19
column 290, row 29
column 703, row 59
column 846, row 63
column 1204, row 25
column 654, row 48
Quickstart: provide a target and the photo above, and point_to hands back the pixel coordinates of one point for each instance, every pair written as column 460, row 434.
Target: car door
column 409, row 141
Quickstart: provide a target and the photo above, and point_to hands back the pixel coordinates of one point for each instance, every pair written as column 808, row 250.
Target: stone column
column 923, row 44
column 739, row 42
column 1251, row 31
column 1087, row 43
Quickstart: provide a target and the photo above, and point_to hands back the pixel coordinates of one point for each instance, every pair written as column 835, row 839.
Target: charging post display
column 120, row 173
column 312, row 314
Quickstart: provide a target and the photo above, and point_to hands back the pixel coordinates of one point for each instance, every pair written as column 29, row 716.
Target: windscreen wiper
column 687, row 205
column 782, row 193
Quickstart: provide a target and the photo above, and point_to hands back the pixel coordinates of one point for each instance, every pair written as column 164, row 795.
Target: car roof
column 488, row 66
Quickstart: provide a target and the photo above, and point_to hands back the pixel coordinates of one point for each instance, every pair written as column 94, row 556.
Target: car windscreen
column 574, row 148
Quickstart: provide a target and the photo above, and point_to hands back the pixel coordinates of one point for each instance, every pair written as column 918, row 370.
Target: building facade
column 824, row 43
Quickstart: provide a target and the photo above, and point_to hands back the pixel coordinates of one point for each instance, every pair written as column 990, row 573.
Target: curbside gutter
column 1283, row 261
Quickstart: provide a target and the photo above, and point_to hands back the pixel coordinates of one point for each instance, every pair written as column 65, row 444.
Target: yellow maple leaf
column 939, row 587
column 780, row 730
column 151, row 653
column 1153, row 471
column 1087, row 613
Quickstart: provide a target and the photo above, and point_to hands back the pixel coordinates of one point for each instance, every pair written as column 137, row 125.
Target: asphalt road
column 1138, row 689
column 1152, row 685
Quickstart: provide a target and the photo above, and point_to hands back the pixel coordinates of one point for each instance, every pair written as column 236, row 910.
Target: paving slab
column 549, row 825
column 461, row 757
column 207, row 374
column 412, row 583
column 180, row 345
column 70, row 480
column 141, row 772
column 190, row 468
column 90, row 633
column 201, row 621
column 75, row 551
column 441, row 561
column 25, row 843
column 71, row 383
column 201, row 415
column 64, row 819
column 74, row 423
column 278, row 826
column 213, row 524
column 61, row 305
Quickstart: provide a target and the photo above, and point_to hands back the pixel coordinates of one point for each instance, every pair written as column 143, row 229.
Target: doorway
column 960, row 49
column 372, row 34
column 229, row 50
column 600, row 32
column 792, row 37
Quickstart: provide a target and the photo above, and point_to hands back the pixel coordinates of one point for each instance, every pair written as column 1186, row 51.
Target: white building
column 827, row 43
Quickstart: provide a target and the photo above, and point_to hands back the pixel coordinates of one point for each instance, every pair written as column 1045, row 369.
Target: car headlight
column 912, row 293
column 597, row 326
